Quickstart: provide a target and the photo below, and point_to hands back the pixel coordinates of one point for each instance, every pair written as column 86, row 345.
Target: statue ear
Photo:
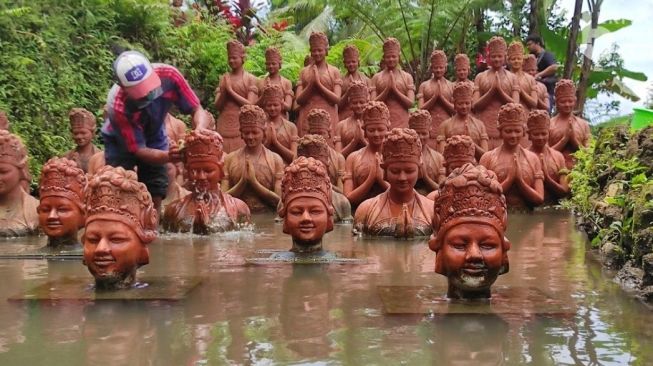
column 143, row 255
column 330, row 223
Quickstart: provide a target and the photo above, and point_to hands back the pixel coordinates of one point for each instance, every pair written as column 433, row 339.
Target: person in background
column 546, row 64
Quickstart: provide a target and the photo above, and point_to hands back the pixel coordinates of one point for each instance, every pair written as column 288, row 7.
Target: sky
column 633, row 41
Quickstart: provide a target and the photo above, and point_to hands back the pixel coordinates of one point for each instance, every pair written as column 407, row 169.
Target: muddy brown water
column 331, row 314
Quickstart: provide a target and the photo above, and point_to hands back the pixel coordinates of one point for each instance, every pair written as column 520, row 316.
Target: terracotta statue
column 393, row 86
column 527, row 84
column 349, row 132
column 469, row 223
column 399, row 211
column 236, row 89
column 436, row 94
column 458, row 151
column 306, row 204
column 316, row 147
column 553, row 162
column 530, row 67
column 519, row 171
column 176, row 130
column 4, row 121
column 96, row 162
column 463, row 122
column 18, row 215
column 61, row 208
column 206, row 209
column 318, row 124
column 281, row 135
column 351, row 60
column 120, row 222
column 494, row 87
column 253, row 173
column 175, row 189
column 319, row 85
column 363, row 177
column 462, row 68
column 431, row 170
column 82, row 127
column 568, row 132
column 273, row 66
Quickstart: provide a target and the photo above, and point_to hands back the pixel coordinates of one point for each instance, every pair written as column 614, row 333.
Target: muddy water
column 328, row 314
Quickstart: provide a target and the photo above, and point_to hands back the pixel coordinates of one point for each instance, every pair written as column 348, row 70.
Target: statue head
column 458, row 151
column 565, row 96
column 319, row 45
column 120, row 222
column 359, row 95
column 461, row 65
column 438, row 63
column 61, row 208
column 469, row 222
column 538, row 124
column 511, row 123
column 4, row 121
column 530, row 65
column 402, row 157
column 319, row 122
column 314, row 146
column 351, row 58
column 497, row 52
column 516, row 55
column 13, row 163
column 272, row 100
column 252, row 125
column 272, row 60
column 376, row 122
column 462, row 98
column 82, row 126
column 235, row 54
column 391, row 53
column 203, row 160
column 306, row 206
column 420, row 121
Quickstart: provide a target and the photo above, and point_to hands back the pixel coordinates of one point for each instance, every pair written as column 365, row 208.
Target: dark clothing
column 155, row 177
column 544, row 60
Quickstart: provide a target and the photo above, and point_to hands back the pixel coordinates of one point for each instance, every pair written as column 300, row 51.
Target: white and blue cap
column 135, row 74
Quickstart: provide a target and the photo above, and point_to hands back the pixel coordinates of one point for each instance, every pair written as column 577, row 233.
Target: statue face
column 472, row 256
column 516, row 62
column 9, row 178
column 322, row 131
column 391, row 59
column 512, row 135
column 351, row 64
column 82, row 136
column 235, row 60
column 462, row 72
column 272, row 66
column 59, row 217
column 111, row 250
column 539, row 137
column 204, row 176
column 497, row 60
column 253, row 136
column 375, row 133
column 565, row 104
column 307, row 219
column 318, row 53
column 438, row 69
column 273, row 107
column 402, row 176
column 463, row 107
column 357, row 105
column 530, row 70
column 424, row 136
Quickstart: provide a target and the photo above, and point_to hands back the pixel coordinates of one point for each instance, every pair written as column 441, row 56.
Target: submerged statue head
column 61, row 208
column 306, row 206
column 121, row 221
column 469, row 223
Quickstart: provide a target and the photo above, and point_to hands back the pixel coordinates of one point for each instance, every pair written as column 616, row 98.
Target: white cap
column 135, row 74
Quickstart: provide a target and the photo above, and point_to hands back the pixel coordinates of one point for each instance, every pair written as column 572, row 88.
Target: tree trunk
column 572, row 42
column 534, row 17
column 586, row 69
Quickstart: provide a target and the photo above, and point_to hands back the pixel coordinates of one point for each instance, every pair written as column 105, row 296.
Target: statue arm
column 352, row 145
column 530, row 99
column 407, row 99
column 344, row 99
column 272, row 197
column 561, row 188
column 534, row 194
column 430, row 183
column 220, row 95
column 356, row 195
column 340, row 168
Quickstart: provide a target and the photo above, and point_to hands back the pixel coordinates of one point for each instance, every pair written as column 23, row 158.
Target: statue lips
column 103, row 262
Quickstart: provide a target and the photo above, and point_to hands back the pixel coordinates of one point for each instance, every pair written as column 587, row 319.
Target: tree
column 572, row 44
column 583, row 82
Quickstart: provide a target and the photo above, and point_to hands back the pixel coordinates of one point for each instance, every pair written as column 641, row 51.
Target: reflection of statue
column 315, row 146
column 553, row 163
column 206, row 209
column 236, row 89
column 436, row 94
column 281, row 134
column 319, row 85
column 568, row 132
column 17, row 208
column 530, row 67
column 518, row 170
column 82, row 127
column 306, row 204
column 399, row 211
column 351, row 60
column 253, row 173
column 494, row 88
column 469, row 224
column 527, row 84
column 273, row 65
column 349, row 132
column 363, row 174
column 463, row 123
column 318, row 124
column 121, row 221
column 432, row 171
column 61, row 208
column 393, row 86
